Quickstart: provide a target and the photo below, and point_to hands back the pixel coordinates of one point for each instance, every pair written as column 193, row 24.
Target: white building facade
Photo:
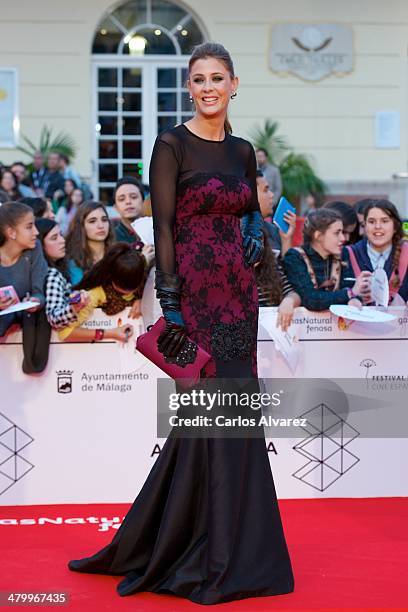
column 112, row 75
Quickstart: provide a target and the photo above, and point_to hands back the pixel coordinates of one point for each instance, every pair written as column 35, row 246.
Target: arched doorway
column 139, row 55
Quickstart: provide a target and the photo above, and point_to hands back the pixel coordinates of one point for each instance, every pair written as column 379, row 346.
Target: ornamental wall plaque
column 311, row 51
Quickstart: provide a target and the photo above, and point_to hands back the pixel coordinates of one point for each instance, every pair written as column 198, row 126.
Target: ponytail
column 227, row 126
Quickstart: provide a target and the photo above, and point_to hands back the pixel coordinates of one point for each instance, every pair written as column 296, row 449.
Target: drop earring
column 191, row 99
column 234, row 95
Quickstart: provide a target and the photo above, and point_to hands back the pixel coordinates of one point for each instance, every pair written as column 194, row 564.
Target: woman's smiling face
column 211, row 85
column 379, row 228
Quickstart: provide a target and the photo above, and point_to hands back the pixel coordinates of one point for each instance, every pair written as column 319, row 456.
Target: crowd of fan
column 61, row 250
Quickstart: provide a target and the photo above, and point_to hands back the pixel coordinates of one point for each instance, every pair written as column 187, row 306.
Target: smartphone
column 75, row 298
column 282, row 208
column 9, row 292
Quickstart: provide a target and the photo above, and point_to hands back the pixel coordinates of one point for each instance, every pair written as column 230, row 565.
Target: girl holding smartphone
column 22, row 266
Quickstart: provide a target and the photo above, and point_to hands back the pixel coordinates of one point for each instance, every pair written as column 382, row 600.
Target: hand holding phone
column 5, row 302
column 284, row 207
column 8, row 297
column 78, row 300
column 75, row 298
column 9, row 292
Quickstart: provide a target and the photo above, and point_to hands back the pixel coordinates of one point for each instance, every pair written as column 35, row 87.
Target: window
column 147, row 27
column 140, row 53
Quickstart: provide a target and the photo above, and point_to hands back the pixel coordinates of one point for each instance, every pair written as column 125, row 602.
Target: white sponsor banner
column 311, row 51
column 85, row 430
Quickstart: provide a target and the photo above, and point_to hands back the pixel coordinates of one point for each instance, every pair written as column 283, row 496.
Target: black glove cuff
column 168, row 288
column 167, row 281
column 252, row 225
column 168, row 300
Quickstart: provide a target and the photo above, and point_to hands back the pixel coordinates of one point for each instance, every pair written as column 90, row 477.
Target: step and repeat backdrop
column 85, row 430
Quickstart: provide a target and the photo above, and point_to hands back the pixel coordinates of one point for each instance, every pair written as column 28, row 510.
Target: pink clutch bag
column 185, row 368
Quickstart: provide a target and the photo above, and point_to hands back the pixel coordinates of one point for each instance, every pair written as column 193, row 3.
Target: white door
column 133, row 102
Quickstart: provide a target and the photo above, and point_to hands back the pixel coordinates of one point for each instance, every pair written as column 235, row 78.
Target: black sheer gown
column 206, row 524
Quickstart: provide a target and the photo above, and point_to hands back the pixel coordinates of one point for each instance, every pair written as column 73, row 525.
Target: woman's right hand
column 285, row 313
column 6, row 302
column 120, row 334
column 362, row 286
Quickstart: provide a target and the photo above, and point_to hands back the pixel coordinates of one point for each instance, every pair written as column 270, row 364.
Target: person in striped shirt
column 274, row 289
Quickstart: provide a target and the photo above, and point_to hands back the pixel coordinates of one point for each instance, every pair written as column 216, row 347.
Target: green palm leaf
column 61, row 143
column 266, row 137
column 29, row 142
column 45, row 139
column 28, row 152
column 299, row 177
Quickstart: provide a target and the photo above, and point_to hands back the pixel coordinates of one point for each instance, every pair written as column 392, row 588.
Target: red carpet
column 347, row 554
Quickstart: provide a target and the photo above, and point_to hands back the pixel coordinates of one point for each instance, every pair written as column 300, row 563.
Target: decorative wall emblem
column 311, row 51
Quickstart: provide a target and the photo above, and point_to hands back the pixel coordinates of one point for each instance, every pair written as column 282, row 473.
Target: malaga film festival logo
column 328, row 459
column 367, row 364
column 13, row 466
column 64, row 381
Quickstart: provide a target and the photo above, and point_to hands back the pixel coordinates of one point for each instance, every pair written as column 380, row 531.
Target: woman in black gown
column 206, row 524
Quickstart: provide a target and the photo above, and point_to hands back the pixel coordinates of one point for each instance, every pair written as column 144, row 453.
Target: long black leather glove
column 174, row 336
column 251, row 225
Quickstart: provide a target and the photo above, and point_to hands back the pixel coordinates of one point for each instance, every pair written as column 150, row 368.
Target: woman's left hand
column 135, row 310
column 290, row 218
column 253, row 239
column 285, row 314
column 32, row 299
column 253, row 250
